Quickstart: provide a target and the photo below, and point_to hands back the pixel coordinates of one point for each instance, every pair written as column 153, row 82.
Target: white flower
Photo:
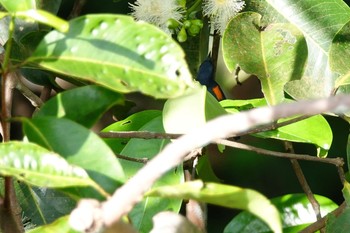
column 157, row 12
column 221, row 11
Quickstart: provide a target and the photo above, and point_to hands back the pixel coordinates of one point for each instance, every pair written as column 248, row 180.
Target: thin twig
column 303, row 182
column 124, row 199
column 335, row 161
column 138, row 160
column 77, row 8
column 138, row 134
column 319, row 224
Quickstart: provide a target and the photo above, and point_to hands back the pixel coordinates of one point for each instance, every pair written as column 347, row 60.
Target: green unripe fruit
column 193, row 30
column 187, row 24
column 182, row 35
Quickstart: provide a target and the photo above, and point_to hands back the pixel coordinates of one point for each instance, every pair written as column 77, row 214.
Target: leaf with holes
column 276, row 54
column 319, row 20
column 37, row 166
column 118, row 53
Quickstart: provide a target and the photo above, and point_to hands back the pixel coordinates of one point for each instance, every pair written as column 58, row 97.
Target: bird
column 205, row 76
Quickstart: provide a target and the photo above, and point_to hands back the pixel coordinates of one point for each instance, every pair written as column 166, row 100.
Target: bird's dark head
column 206, row 72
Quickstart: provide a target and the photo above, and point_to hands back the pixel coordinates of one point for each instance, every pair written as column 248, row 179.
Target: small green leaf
column 35, row 165
column 44, row 17
column 224, row 195
column 182, row 114
column 80, row 147
column 276, row 54
column 143, row 212
column 18, row 5
column 83, row 104
column 131, row 123
column 295, row 209
column 118, row 53
column 61, row 225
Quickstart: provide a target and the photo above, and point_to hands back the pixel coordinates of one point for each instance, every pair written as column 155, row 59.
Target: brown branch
column 138, row 134
column 138, row 160
column 335, row 161
column 124, row 199
column 319, row 224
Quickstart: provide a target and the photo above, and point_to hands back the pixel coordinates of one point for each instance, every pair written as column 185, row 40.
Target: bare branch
column 124, row 199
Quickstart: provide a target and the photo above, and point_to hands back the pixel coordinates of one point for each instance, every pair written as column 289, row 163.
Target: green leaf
column 295, row 209
column 276, row 54
column 318, row 130
column 131, row 123
column 119, row 53
column 182, row 114
column 18, row 5
column 61, row 225
column 141, row 215
column 339, row 223
column 338, row 53
column 44, row 17
column 43, row 205
column 83, row 104
column 80, row 147
column 224, row 195
column 35, row 165
column 319, row 20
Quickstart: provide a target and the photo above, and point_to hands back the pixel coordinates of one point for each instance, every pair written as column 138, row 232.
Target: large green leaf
column 224, row 195
column 37, row 166
column 119, row 53
column 61, row 225
column 319, row 20
column 84, row 105
column 318, row 130
column 131, row 123
column 338, row 54
column 276, row 54
column 182, row 114
column 143, row 212
column 80, row 147
column 295, row 209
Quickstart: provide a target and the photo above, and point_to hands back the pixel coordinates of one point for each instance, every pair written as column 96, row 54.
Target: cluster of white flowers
column 157, row 12
column 221, row 11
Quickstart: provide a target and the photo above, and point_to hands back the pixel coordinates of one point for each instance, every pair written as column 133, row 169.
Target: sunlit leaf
column 276, row 54
column 318, row 130
column 84, row 104
column 119, row 53
column 61, row 225
column 18, row 5
column 44, row 17
column 80, row 147
column 338, row 54
column 131, row 123
column 37, row 166
column 319, row 20
column 295, row 210
column 224, row 195
column 182, row 114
